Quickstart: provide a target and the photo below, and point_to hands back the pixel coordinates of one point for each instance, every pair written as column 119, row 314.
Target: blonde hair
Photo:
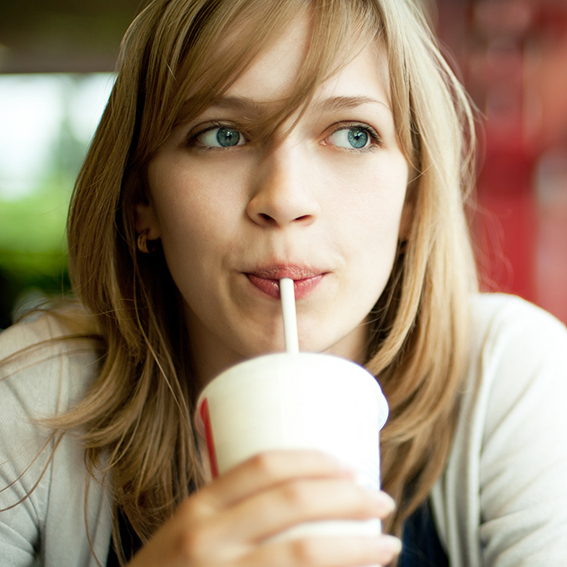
column 177, row 57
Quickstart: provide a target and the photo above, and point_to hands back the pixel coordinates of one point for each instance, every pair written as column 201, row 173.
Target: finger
column 273, row 511
column 267, row 470
column 342, row 551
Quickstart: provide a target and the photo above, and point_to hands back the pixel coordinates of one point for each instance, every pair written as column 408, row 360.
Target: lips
column 304, row 279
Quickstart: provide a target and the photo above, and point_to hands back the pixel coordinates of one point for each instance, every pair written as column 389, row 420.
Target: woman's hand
column 229, row 522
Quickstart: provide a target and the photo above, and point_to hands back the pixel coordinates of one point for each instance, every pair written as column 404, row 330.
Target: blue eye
column 223, row 137
column 351, row 138
column 357, row 138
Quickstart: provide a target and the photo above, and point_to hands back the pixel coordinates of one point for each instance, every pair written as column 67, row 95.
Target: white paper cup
column 295, row 401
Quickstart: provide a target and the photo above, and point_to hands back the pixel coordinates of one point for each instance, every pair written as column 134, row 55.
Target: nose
column 282, row 193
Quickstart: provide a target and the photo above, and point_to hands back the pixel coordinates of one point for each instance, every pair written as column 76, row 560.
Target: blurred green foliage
column 33, row 251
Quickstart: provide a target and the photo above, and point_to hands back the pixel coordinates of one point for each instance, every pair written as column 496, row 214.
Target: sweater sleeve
column 42, row 493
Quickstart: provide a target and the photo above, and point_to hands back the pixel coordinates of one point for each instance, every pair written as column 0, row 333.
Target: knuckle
column 190, row 509
column 192, row 544
column 305, row 552
column 187, row 545
column 296, row 495
column 193, row 536
column 265, row 464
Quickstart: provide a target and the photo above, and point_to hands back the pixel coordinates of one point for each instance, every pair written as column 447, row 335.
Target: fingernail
column 392, row 544
column 385, row 501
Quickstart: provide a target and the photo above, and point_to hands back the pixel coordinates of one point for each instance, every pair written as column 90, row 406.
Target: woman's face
column 322, row 206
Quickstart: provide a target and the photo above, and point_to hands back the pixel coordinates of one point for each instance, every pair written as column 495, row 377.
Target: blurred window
column 46, row 124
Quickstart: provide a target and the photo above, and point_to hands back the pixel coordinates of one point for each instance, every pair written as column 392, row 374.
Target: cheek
column 369, row 202
column 192, row 209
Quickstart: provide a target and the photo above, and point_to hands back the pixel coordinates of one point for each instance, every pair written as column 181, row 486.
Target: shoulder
column 45, row 364
column 498, row 316
column 43, row 373
column 45, row 369
column 515, row 345
column 518, row 370
column 505, row 478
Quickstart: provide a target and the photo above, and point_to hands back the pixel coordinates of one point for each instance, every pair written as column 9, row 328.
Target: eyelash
column 193, row 138
column 376, row 141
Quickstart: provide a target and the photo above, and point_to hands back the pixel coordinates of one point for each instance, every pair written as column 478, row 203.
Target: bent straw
column 287, row 295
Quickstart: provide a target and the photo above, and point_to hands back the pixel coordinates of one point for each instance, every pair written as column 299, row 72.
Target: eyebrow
column 327, row 105
column 346, row 102
column 238, row 103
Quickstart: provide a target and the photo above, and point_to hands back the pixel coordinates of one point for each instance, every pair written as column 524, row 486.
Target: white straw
column 288, row 312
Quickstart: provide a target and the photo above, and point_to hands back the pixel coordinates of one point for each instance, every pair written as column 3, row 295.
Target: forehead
column 364, row 75
column 272, row 76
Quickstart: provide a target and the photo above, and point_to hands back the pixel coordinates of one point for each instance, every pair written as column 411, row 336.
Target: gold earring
column 144, row 245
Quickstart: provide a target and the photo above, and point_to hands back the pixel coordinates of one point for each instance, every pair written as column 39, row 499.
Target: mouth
column 305, row 280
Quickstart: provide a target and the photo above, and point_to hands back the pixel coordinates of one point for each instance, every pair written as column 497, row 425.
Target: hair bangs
column 218, row 42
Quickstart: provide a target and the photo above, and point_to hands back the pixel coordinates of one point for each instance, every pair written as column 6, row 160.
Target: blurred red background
column 513, row 58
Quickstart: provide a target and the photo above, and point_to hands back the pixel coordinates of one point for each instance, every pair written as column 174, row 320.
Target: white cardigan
column 502, row 501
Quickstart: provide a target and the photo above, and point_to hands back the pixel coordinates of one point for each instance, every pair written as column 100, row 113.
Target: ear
column 146, row 218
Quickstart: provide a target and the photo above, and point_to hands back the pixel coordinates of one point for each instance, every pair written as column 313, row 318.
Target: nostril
column 276, row 208
column 271, row 220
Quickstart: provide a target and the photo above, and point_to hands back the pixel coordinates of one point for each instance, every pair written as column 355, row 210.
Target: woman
column 245, row 141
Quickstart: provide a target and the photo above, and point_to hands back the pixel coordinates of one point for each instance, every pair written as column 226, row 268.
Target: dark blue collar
column 421, row 544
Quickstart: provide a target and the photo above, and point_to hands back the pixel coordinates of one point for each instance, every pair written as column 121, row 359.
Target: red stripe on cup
column 206, row 417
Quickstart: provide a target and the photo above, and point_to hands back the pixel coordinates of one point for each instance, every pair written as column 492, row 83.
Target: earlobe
column 146, row 220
